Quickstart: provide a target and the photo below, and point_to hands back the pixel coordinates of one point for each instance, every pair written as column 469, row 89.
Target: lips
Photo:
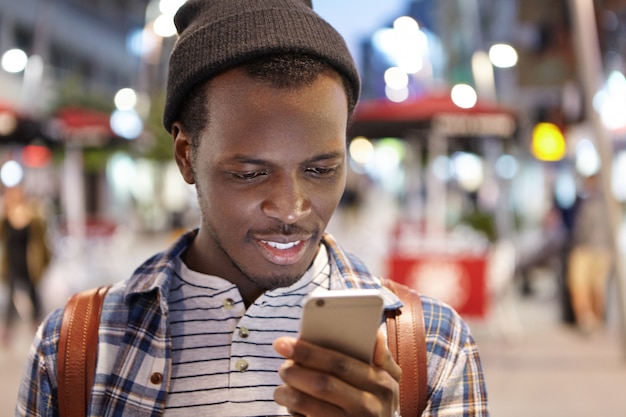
column 283, row 253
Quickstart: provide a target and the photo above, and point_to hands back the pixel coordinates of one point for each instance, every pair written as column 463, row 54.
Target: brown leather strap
column 77, row 350
column 406, row 339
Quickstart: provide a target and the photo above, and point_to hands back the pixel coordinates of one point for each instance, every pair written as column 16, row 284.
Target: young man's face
column 269, row 171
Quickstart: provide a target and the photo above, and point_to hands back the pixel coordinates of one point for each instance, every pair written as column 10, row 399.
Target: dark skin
column 269, row 170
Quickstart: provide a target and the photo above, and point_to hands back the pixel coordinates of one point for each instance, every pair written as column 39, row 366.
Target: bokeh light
column 507, row 166
column 11, row 173
column 126, row 123
column 468, row 169
column 14, row 60
column 125, row 99
column 361, row 150
column 548, row 143
column 502, row 55
column 587, row 158
column 396, row 78
column 464, row 96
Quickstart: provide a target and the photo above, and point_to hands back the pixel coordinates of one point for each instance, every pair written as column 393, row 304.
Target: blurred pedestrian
column 25, row 254
column 590, row 260
column 259, row 97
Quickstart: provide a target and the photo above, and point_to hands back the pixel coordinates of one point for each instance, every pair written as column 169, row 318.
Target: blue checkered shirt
column 134, row 350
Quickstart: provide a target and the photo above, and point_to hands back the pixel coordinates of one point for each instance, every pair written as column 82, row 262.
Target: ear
column 182, row 152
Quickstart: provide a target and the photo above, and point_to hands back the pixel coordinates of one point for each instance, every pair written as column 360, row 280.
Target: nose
column 287, row 201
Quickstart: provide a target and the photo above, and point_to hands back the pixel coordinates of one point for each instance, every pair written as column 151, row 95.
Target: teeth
column 281, row 246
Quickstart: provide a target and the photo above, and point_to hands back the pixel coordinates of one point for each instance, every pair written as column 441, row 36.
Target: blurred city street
column 536, row 366
column 478, row 127
column 553, row 370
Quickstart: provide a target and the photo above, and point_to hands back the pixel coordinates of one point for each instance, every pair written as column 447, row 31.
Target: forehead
column 247, row 112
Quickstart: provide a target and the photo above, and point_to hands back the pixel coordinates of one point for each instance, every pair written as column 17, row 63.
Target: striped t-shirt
column 223, row 363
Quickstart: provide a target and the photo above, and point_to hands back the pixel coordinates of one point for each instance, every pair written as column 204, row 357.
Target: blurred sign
column 457, row 280
column 449, row 124
column 81, row 126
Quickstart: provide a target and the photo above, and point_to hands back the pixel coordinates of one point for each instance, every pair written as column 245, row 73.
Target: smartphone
column 343, row 320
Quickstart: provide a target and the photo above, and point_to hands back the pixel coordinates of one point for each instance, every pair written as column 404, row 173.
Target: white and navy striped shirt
column 134, row 376
column 220, row 349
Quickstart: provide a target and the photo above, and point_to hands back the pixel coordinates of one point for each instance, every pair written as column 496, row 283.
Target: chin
column 276, row 281
column 276, row 276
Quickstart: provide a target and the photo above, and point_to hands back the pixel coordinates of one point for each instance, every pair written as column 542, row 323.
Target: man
column 590, row 261
column 258, row 100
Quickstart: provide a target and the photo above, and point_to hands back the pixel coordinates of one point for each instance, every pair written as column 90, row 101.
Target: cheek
column 326, row 200
column 223, row 206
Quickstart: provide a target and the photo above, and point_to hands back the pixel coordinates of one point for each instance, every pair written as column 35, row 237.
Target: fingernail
column 283, row 347
column 279, row 396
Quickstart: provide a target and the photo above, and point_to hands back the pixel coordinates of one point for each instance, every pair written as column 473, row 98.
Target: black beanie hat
column 216, row 35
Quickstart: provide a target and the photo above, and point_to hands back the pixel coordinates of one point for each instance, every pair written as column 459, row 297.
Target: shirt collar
column 355, row 275
column 155, row 274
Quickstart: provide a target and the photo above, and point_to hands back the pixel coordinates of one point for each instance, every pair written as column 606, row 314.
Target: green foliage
column 161, row 147
column 71, row 92
column 95, row 159
column 156, row 144
column 482, row 222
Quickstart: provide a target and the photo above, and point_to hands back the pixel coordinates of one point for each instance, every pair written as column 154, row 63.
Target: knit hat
column 216, row 35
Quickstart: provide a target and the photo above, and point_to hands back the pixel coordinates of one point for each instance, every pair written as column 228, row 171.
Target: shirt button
column 241, row 365
column 228, row 303
column 244, row 332
column 156, row 378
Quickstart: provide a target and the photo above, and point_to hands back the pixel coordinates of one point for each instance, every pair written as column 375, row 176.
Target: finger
column 348, row 369
column 384, row 359
column 330, row 362
column 302, row 404
column 309, row 391
column 333, row 377
column 317, row 390
column 284, row 346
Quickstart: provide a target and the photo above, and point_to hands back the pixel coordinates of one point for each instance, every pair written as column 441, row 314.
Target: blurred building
column 84, row 43
column 455, row 30
column 94, row 48
column 78, row 56
column 526, row 184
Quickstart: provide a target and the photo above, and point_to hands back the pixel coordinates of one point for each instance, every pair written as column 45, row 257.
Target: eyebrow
column 326, row 156
column 254, row 161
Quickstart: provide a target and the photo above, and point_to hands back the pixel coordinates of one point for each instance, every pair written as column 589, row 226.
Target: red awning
column 78, row 118
column 83, row 126
column 383, row 118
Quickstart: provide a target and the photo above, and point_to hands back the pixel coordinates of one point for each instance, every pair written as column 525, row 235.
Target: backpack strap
column 406, row 339
column 77, row 351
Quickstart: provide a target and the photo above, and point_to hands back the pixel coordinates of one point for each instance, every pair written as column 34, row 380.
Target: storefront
column 433, row 250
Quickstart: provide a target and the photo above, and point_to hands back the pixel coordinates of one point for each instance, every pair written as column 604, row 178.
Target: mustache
column 287, row 230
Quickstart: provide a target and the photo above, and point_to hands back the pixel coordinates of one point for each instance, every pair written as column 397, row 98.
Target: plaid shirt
column 134, row 351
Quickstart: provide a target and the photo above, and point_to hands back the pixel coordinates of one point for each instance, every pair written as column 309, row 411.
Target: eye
column 321, row 171
column 248, row 175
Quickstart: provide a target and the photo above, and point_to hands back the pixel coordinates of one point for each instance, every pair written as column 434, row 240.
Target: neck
column 196, row 259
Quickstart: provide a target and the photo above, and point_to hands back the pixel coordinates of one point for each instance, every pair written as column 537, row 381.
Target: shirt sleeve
column 38, row 387
column 456, row 383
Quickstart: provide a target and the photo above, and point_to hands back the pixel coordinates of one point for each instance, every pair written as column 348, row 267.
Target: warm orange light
column 36, row 156
column 548, row 143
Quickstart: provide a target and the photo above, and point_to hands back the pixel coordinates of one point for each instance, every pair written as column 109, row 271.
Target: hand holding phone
column 343, row 320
